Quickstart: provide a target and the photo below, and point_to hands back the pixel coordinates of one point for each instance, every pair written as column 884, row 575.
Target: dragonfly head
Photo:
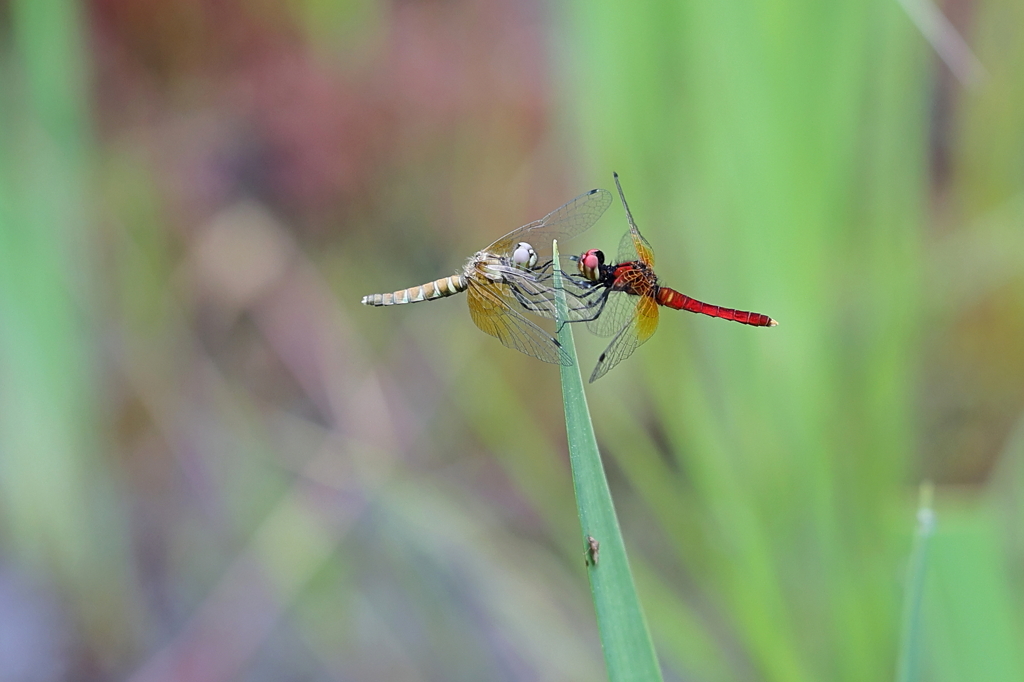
column 590, row 263
column 524, row 256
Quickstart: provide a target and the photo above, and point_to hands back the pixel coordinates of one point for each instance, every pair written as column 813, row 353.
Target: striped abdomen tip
column 379, row 299
column 445, row 286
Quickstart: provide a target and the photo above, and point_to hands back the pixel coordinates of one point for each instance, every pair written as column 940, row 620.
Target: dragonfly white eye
column 524, row 256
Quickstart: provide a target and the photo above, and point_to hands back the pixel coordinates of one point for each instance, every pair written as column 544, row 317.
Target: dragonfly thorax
column 634, row 277
column 485, row 264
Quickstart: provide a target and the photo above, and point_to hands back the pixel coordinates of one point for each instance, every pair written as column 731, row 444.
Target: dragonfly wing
column 643, row 247
column 633, row 247
column 646, row 318
column 633, row 284
column 538, row 297
column 627, row 249
column 632, row 335
column 534, row 290
column 618, row 311
column 640, row 249
column 564, row 222
column 491, row 310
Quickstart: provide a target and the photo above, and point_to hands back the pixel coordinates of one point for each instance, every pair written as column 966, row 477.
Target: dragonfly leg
column 534, row 292
column 543, row 301
column 546, row 271
column 593, row 308
column 544, row 307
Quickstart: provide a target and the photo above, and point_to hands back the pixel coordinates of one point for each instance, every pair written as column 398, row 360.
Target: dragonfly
column 621, row 300
column 509, row 276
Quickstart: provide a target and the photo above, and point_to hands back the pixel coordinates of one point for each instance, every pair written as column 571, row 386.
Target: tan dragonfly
column 512, row 275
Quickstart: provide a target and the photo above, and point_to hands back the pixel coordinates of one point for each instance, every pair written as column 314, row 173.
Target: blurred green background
column 215, row 464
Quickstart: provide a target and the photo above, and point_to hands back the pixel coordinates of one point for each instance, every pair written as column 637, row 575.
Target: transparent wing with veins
column 633, row 245
column 491, row 307
column 637, row 330
column 498, row 285
column 533, row 287
column 536, row 293
column 564, row 222
column 618, row 310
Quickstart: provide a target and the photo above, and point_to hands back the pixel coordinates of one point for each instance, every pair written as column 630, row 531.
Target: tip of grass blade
column 909, row 664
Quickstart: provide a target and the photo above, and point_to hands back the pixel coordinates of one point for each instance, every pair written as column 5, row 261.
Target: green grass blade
column 910, row 647
column 62, row 512
column 628, row 650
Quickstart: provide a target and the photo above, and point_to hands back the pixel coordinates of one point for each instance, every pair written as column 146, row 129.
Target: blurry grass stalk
column 909, row 667
column 628, row 650
column 943, row 37
column 59, row 506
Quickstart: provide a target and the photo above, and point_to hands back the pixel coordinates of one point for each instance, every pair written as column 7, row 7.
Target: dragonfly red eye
column 590, row 264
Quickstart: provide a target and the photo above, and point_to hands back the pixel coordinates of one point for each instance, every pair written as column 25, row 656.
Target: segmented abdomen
column 439, row 288
column 671, row 298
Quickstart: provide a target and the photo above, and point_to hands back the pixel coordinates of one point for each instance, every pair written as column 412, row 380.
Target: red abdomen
column 670, row 298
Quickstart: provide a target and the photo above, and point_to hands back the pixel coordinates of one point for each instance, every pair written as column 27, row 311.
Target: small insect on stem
column 590, row 554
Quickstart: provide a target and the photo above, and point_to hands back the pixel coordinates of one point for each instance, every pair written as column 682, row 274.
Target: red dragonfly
column 622, row 300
